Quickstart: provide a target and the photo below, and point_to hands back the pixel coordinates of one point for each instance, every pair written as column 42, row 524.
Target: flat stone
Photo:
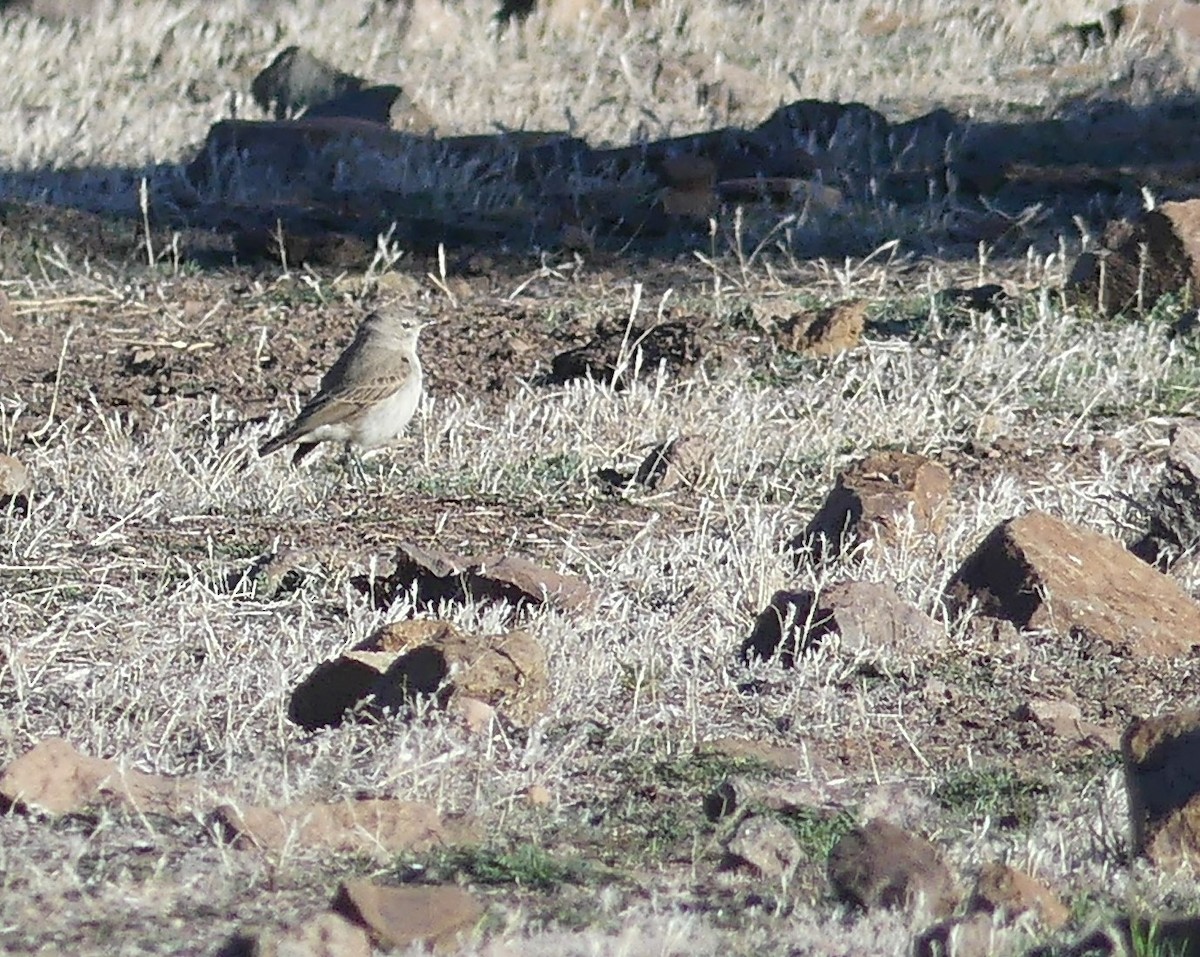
column 766, row 845
column 380, row 827
column 55, row 778
column 1040, row 572
column 399, row 917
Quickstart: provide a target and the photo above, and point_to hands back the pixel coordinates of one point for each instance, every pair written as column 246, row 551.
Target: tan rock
column 325, row 935
column 881, row 865
column 57, row 779
column 825, row 332
column 1162, row 777
column 537, row 796
column 869, row 619
column 1042, row 573
column 683, row 461
column 872, row 498
column 14, row 480
column 408, row 659
column 1001, row 888
column 972, row 935
column 401, row 916
column 381, row 827
column 766, row 845
column 1065, row 720
column 778, row 756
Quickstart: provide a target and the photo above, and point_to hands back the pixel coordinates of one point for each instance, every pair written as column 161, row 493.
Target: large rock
column 399, row 917
column 881, row 865
column 408, row 660
column 1162, row 776
column 1141, row 261
column 871, row 620
column 871, row 500
column 1042, row 573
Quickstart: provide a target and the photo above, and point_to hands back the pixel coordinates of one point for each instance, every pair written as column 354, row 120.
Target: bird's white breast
column 383, row 423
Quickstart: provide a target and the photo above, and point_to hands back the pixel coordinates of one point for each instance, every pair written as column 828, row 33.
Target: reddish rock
column 1162, row 776
column 402, row 916
column 380, row 827
column 55, row 778
column 870, row 619
column 1001, row 888
column 881, row 865
column 1042, row 573
column 1141, row 261
column 871, row 500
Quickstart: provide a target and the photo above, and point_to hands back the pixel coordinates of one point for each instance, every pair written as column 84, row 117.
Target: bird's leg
column 351, row 461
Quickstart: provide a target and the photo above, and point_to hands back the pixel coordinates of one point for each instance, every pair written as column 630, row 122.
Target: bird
column 369, row 394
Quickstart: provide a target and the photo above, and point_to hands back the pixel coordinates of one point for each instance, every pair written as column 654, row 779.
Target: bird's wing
column 342, row 404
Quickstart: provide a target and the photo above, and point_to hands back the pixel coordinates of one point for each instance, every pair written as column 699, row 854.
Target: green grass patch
column 1010, row 800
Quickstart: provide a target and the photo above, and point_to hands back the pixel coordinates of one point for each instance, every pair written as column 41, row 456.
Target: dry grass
column 122, row 634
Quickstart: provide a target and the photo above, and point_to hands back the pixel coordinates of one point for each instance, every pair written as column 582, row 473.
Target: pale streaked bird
column 368, row 396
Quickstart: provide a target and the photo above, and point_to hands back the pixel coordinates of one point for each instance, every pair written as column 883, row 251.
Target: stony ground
column 136, row 393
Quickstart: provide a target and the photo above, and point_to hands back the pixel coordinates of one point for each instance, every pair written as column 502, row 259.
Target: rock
column 55, row 778
column 880, row 865
column 871, row 620
column 972, row 935
column 681, row 461
column 1042, row 573
column 1065, row 720
column 738, row 793
column 537, row 796
column 767, row 845
column 15, row 485
column 825, row 332
column 616, row 355
column 1141, row 261
column 409, row 659
column 872, row 498
column 819, row 123
column 326, row 935
column 1174, row 527
column 1162, row 777
column 387, row 104
column 436, row 576
column 777, row 756
column 690, row 183
column 399, row 917
column 296, row 79
column 380, row 827
column 1010, row 892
